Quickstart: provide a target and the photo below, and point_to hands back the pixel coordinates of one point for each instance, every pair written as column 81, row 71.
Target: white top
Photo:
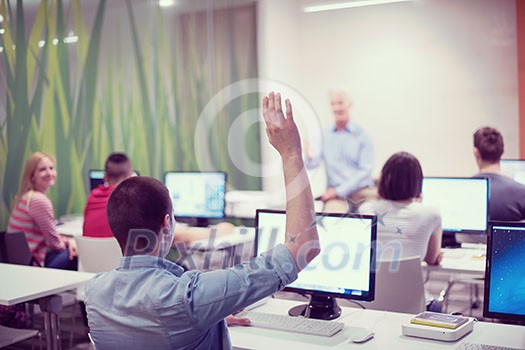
column 403, row 228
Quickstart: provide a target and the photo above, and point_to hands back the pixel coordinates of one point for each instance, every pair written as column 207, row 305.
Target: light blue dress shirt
column 348, row 157
column 150, row 303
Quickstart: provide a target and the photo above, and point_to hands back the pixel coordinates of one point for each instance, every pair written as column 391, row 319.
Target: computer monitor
column 197, row 196
column 463, row 203
column 96, row 177
column 514, row 168
column 505, row 271
column 344, row 269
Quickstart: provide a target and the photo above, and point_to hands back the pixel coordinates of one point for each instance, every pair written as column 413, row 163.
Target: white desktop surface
column 470, row 258
column 24, row 283
column 386, row 325
column 243, row 204
column 240, row 235
column 72, row 226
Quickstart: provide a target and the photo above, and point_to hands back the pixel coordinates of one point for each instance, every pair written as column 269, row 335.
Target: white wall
column 423, row 75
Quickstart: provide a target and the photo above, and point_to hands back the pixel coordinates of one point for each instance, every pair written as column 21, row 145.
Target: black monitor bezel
column 461, row 230
column 370, row 294
column 488, row 258
column 182, row 218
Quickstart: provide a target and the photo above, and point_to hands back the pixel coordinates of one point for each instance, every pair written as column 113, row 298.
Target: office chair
column 97, row 254
column 399, row 286
column 15, row 250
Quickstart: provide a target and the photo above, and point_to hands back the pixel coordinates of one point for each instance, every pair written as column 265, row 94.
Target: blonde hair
column 26, row 184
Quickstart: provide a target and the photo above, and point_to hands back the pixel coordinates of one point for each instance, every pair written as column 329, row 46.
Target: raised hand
column 301, row 236
column 282, row 131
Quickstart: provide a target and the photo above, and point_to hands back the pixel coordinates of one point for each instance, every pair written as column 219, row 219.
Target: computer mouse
column 361, row 335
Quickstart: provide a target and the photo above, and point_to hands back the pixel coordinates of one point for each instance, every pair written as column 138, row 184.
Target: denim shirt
column 150, row 303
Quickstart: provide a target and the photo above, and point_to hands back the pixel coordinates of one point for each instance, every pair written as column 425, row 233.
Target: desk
column 219, row 252
column 25, row 283
column 386, row 325
column 72, row 226
column 463, row 265
column 470, row 258
column 243, row 204
column 237, row 245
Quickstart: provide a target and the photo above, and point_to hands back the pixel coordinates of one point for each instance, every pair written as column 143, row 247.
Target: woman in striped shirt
column 33, row 214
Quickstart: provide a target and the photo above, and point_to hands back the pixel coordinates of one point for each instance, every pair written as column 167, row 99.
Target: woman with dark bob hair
column 406, row 227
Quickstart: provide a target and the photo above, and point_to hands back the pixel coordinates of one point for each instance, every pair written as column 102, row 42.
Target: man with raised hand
column 151, row 303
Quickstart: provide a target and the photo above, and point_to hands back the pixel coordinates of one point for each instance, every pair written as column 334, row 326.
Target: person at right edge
column 150, row 303
column 507, row 197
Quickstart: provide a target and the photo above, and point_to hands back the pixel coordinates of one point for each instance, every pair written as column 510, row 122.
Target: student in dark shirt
column 507, row 197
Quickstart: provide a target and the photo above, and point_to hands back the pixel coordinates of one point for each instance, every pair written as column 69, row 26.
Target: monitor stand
column 201, row 222
column 449, row 240
column 479, row 238
column 319, row 307
column 195, row 222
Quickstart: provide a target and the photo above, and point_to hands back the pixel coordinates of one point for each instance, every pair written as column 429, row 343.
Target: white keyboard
column 293, row 324
column 472, row 346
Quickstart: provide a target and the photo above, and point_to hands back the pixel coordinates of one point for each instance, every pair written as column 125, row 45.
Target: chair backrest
column 97, row 254
column 399, row 286
column 15, row 250
column 3, row 253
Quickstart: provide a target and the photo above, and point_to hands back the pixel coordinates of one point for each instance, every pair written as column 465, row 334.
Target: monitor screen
column 96, row 177
column 514, row 168
column 344, row 269
column 463, row 202
column 199, row 195
column 505, row 271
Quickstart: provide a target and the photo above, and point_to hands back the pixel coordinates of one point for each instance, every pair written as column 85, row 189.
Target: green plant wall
column 136, row 80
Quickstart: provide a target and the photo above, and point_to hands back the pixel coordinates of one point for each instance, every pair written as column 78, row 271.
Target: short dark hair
column 137, row 203
column 489, row 143
column 117, row 167
column 401, row 177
